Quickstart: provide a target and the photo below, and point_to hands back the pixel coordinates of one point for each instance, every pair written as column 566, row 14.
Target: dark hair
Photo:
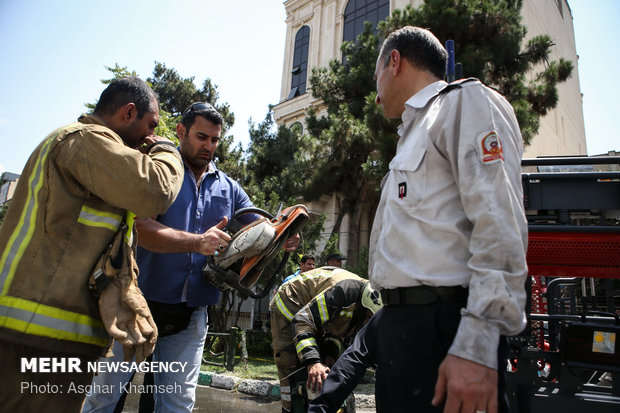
column 123, row 91
column 335, row 256
column 419, row 46
column 307, row 257
column 204, row 110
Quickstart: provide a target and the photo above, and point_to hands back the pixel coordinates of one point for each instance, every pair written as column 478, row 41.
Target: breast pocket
column 220, row 207
column 408, row 177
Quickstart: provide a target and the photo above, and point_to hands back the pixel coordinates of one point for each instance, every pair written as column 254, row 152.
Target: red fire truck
column 568, row 358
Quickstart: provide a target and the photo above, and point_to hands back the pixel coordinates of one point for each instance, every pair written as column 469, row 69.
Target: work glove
column 127, row 319
column 122, row 307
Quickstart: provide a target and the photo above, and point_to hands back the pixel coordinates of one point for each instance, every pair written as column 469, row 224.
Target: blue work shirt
column 295, row 274
column 163, row 277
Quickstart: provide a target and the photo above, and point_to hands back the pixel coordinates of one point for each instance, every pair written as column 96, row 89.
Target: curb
column 263, row 389
column 259, row 388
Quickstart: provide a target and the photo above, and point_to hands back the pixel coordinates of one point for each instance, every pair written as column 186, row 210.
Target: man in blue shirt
column 174, row 248
column 307, row 263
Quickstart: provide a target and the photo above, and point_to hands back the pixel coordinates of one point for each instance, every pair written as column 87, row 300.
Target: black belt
column 422, row 295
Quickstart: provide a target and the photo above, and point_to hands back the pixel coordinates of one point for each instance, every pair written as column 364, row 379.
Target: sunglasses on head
column 197, row 107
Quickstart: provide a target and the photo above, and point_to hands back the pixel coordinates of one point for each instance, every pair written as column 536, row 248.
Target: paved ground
column 221, row 393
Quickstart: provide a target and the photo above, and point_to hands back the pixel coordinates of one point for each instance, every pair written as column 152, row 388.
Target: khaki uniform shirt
column 70, row 201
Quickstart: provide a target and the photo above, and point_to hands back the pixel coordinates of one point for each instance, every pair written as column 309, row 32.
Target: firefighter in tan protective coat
column 311, row 315
column 73, row 196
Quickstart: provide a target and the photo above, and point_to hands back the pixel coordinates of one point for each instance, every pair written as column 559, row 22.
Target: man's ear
column 129, row 112
column 181, row 131
column 395, row 62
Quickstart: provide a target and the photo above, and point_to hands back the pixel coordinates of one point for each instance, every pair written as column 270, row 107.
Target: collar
column 418, row 101
column 211, row 170
column 92, row 119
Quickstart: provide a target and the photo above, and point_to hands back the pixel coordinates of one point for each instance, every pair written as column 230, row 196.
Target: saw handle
column 234, row 225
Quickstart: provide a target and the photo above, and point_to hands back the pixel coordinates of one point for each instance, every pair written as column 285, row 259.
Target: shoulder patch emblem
column 491, row 147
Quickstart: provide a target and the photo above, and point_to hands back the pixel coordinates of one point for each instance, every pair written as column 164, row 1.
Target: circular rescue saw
column 252, row 247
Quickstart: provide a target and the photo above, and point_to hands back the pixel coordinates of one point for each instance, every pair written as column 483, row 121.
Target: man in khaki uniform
column 311, row 314
column 69, row 204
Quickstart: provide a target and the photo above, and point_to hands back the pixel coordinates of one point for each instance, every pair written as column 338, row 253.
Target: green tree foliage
column 488, row 37
column 273, row 158
column 177, row 93
column 167, row 122
column 117, row 73
column 275, row 161
column 3, row 210
column 360, row 267
column 353, row 142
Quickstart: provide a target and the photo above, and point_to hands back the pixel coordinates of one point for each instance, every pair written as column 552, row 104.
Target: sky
column 53, row 55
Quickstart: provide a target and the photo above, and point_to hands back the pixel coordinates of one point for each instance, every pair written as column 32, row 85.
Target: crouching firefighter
column 312, row 314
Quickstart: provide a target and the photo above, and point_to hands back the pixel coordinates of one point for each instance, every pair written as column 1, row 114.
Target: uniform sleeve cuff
column 476, row 340
column 310, row 361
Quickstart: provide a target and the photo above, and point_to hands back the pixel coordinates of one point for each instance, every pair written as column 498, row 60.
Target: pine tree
column 353, row 143
column 488, row 37
column 177, row 93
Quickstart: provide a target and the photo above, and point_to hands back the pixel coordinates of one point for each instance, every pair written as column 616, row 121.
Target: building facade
column 8, row 183
column 562, row 130
column 317, row 28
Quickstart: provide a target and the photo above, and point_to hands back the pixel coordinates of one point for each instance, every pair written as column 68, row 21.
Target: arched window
column 297, row 127
column 300, row 62
column 359, row 11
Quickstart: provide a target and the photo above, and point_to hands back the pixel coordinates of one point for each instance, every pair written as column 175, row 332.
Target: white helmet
column 371, row 299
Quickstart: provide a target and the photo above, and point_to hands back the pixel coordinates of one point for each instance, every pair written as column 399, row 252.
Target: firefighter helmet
column 371, row 299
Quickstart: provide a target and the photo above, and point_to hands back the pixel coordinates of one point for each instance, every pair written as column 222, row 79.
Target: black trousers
column 406, row 344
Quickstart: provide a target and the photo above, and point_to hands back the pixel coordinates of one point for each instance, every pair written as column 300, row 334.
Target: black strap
column 457, row 84
column 101, row 282
column 170, row 318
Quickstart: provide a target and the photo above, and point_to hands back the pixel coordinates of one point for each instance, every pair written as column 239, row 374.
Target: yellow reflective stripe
column 42, row 320
column 346, row 313
column 285, row 312
column 308, row 342
column 22, row 234
column 98, row 224
column 129, row 219
column 95, row 218
column 320, row 302
column 27, row 316
column 306, row 276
